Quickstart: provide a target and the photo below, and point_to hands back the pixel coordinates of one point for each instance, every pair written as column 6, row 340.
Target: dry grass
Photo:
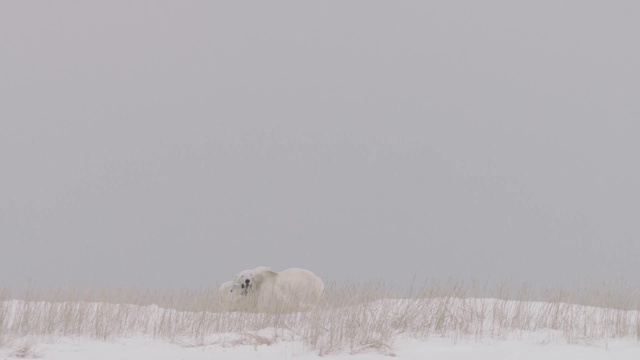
column 353, row 318
column 26, row 350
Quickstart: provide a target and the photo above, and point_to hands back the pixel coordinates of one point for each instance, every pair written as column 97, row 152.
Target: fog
column 173, row 144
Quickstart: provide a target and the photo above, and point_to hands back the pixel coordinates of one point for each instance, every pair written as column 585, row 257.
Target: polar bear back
column 300, row 281
column 288, row 290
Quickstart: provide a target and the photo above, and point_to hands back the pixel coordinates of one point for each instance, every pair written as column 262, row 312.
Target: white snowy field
column 532, row 346
column 353, row 323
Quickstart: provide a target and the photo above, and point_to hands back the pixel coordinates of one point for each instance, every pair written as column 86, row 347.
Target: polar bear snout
column 246, row 286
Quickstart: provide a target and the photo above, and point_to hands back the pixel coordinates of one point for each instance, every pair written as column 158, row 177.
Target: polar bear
column 245, row 278
column 279, row 291
column 230, row 297
column 228, row 293
column 228, row 288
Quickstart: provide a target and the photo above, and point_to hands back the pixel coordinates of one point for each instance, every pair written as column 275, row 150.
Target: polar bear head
column 249, row 281
column 229, row 288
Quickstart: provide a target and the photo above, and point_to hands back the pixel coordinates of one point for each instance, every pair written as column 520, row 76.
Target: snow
column 586, row 341
column 145, row 348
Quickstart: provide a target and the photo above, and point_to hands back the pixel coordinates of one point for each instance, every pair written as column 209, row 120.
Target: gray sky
column 172, row 144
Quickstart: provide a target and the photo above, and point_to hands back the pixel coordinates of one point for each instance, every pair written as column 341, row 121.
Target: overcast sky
column 173, row 144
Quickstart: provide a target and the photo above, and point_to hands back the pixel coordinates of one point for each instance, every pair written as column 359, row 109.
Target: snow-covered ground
column 138, row 348
column 428, row 328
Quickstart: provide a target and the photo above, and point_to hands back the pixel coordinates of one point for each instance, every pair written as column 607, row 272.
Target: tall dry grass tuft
column 353, row 318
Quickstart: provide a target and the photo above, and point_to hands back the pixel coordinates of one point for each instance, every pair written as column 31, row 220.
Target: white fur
column 229, row 295
column 227, row 288
column 245, row 279
column 273, row 291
